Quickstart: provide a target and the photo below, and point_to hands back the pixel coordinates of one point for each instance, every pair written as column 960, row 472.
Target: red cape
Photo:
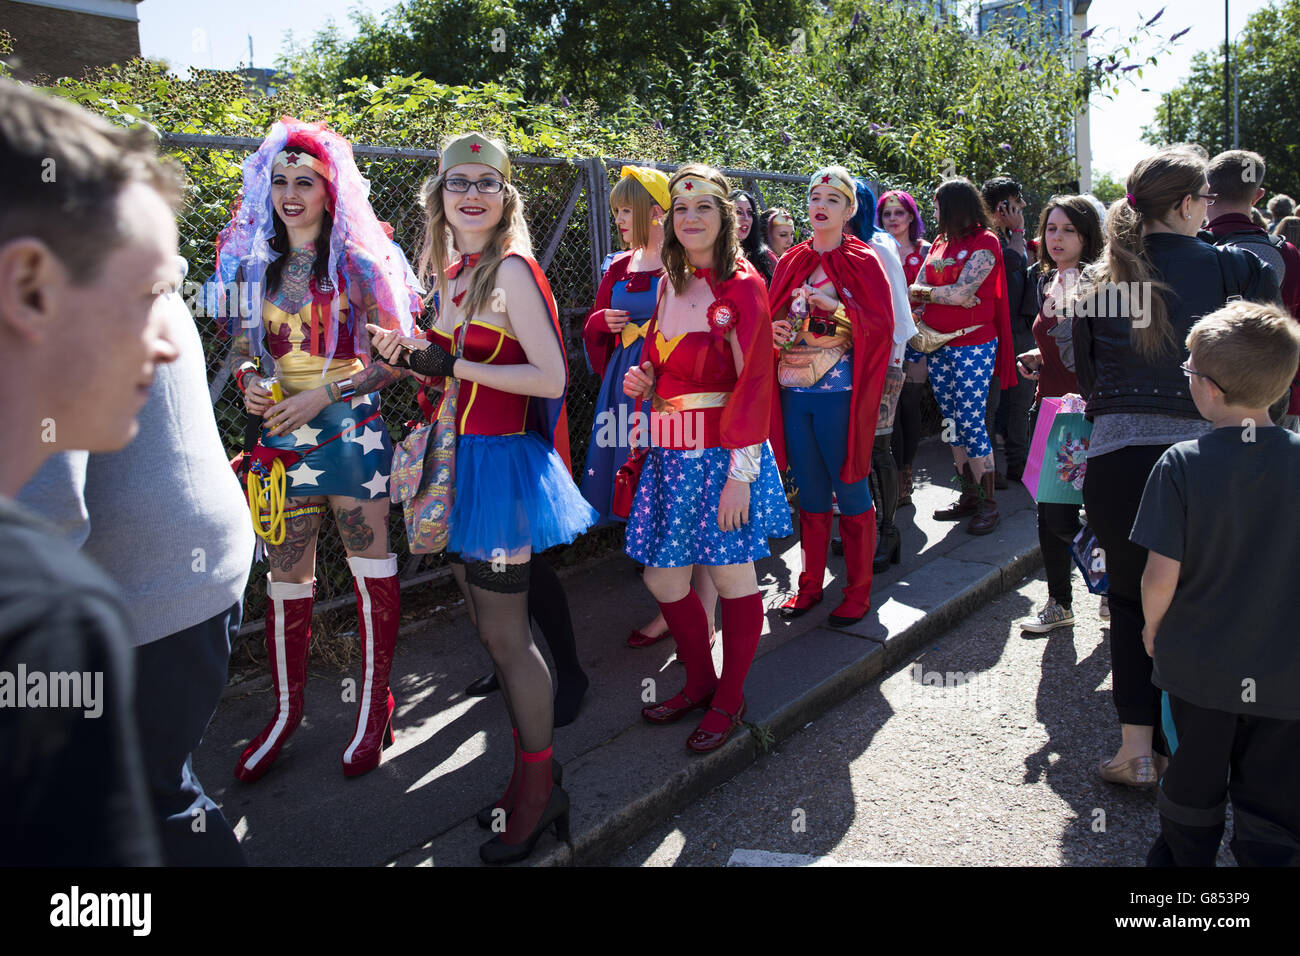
column 863, row 288
column 596, row 336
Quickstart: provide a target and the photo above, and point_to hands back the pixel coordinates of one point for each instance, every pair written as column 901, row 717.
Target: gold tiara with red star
column 892, row 202
column 783, row 219
column 297, row 159
column 476, row 148
column 830, row 176
column 695, row 186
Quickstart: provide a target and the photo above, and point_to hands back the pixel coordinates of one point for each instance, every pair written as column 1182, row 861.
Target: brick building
column 63, row 37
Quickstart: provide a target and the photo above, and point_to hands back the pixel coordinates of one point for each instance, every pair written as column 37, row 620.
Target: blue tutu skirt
column 610, row 432
column 355, row 464
column 513, row 492
column 674, row 520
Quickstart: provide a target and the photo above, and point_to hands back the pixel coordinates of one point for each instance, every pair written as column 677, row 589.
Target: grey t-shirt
column 1224, row 506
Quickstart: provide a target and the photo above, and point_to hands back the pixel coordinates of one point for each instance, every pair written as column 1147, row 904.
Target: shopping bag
column 1091, row 560
column 1058, row 454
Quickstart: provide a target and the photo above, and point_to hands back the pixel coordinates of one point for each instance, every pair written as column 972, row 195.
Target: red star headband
column 298, row 159
column 476, row 148
column 830, row 176
column 695, row 186
column 892, row 202
column 783, row 219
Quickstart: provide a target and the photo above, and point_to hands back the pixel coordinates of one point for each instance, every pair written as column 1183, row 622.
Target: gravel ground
column 994, row 769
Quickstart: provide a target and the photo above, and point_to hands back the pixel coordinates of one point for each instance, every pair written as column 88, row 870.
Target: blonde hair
column 628, row 192
column 437, row 243
column 726, row 248
column 1158, row 185
column 1250, row 350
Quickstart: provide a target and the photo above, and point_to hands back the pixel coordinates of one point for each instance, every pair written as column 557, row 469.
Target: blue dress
column 611, row 429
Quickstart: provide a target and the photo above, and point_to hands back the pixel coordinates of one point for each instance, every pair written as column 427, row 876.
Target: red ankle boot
column 378, row 603
column 288, row 632
column 814, row 537
column 859, row 533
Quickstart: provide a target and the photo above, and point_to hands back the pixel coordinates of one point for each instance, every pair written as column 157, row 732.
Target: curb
column 875, row 648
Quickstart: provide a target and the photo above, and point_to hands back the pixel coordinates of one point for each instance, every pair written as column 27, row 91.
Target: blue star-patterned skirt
column 513, row 492
column 356, row 463
column 674, row 520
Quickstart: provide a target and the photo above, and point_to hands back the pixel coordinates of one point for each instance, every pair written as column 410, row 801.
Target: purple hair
column 916, row 228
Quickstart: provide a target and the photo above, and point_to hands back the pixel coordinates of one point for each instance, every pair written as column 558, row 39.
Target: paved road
column 996, row 768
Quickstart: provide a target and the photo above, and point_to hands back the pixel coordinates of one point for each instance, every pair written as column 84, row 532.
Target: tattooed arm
column 963, row 291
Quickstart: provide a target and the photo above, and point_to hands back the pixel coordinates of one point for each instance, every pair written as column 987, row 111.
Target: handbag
column 423, row 473
column 928, row 340
column 1091, row 560
column 802, row 366
column 626, row 479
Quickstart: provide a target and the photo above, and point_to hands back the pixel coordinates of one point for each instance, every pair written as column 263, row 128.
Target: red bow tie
column 464, row 262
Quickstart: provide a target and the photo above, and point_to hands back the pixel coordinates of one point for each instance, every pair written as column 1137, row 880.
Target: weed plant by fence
column 567, row 205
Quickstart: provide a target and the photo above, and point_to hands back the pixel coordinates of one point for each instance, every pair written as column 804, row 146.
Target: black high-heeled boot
column 888, row 540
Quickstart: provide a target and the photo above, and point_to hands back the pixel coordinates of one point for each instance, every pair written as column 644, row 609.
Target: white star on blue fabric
column 378, row 485
column 304, row 474
column 306, row 435
column 359, row 400
column 370, row 440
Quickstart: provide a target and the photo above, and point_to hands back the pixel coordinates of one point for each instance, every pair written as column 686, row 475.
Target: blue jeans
column 179, row 680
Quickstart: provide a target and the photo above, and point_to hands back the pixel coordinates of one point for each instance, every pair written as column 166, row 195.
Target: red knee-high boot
column 814, row 537
column 742, row 626
column 859, row 533
column 378, row 604
column 690, row 626
column 288, row 632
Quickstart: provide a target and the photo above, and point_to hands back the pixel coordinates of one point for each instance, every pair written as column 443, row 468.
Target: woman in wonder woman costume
column 614, row 335
column 830, row 422
column 514, row 492
column 710, row 492
column 320, row 266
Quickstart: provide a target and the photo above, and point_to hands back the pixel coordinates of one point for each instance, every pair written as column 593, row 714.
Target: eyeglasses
column 486, row 186
column 1189, row 372
column 1208, row 197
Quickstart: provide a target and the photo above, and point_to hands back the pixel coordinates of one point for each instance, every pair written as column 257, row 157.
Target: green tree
column 1107, row 188
column 1268, row 80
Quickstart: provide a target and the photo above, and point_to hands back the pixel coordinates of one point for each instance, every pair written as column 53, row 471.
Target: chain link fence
column 567, row 205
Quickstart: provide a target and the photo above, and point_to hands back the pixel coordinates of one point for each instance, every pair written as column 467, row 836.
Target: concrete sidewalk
column 453, row 754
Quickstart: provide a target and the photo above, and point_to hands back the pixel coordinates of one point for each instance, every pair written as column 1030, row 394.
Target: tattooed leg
column 363, row 525
column 294, row 560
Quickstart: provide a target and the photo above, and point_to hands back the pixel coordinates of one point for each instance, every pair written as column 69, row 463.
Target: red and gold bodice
column 480, row 409
column 297, row 343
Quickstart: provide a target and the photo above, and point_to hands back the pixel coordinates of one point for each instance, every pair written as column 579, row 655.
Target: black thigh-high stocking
column 549, row 607
column 883, row 464
column 907, row 423
column 501, row 606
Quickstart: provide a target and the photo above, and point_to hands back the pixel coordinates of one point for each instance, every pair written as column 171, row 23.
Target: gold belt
column 632, row 332
column 689, row 402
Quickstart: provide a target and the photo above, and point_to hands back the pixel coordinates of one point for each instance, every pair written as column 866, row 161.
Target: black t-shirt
column 1225, row 506
column 72, row 790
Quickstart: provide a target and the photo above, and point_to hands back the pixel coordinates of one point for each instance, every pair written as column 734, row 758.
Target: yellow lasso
column 266, row 503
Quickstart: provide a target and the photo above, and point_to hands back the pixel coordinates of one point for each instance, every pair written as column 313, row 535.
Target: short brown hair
column 1281, row 206
column 960, row 208
column 1249, row 349
column 1236, row 175
column 726, row 248
column 61, row 170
